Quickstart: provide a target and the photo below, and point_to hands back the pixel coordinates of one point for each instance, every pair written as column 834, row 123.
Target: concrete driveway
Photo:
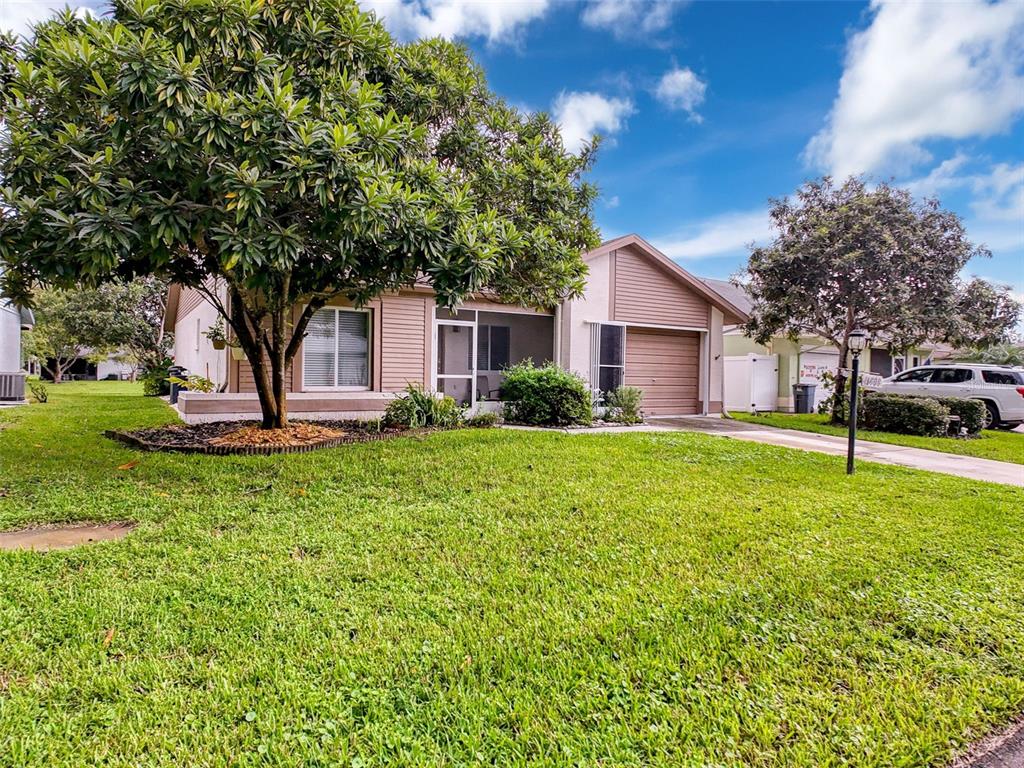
column 883, row 453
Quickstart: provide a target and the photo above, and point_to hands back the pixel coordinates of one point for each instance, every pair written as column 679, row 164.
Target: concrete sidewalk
column 884, row 453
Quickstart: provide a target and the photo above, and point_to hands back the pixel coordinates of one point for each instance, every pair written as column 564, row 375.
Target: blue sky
column 709, row 109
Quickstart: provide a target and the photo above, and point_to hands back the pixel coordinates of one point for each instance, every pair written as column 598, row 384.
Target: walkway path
column 884, row 453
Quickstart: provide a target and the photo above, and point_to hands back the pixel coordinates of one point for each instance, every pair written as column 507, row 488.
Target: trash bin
column 176, row 371
column 803, row 397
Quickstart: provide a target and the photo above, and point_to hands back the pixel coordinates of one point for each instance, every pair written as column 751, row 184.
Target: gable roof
column 733, row 312
column 734, row 293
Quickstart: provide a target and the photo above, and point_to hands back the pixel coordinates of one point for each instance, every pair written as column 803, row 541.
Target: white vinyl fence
column 752, row 383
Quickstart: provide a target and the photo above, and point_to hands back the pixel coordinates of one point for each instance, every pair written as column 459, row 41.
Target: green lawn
column 498, row 597
column 991, row 444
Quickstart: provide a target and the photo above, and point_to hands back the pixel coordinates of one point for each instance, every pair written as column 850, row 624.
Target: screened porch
column 474, row 347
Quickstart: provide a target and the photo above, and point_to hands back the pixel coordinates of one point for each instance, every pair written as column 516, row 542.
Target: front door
column 456, row 360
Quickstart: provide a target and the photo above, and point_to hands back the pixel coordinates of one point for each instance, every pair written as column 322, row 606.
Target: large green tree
column 288, row 150
column 850, row 256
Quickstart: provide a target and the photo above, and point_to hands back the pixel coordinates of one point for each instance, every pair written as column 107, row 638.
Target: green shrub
column 971, row 412
column 193, row 383
column 546, row 396
column 482, row 419
column 904, row 415
column 154, row 380
column 38, row 390
column 416, row 408
column 624, row 405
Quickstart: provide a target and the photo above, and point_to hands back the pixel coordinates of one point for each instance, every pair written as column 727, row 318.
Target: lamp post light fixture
column 857, row 341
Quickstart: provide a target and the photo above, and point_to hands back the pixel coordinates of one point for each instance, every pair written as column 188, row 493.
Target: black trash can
column 176, row 371
column 803, row 397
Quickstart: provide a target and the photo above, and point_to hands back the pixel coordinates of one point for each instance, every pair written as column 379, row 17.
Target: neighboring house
column 12, row 322
column 86, row 369
column 643, row 321
column 787, row 362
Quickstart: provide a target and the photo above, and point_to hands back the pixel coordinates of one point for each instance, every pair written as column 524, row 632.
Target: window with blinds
column 493, row 343
column 336, row 350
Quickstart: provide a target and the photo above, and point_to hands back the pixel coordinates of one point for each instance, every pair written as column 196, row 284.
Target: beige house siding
column 404, row 341
column 645, row 293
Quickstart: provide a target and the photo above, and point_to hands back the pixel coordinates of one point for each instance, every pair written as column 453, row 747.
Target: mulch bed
column 224, row 438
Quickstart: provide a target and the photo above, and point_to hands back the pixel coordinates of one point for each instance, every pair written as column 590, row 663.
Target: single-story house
column 787, row 362
column 13, row 320
column 643, row 321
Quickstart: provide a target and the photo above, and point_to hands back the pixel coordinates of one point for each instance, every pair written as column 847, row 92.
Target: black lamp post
column 856, row 342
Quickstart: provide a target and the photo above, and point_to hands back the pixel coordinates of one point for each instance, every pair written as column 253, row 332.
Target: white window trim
column 369, row 356
column 595, row 355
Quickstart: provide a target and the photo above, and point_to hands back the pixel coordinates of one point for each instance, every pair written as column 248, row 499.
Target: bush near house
column 624, row 405
column 546, row 396
column 417, row 408
column 903, row 415
column 154, row 380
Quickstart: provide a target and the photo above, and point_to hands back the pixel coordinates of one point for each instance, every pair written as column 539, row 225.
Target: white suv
column 1001, row 388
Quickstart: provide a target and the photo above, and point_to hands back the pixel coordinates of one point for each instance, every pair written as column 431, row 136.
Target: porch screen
column 336, row 350
column 608, row 357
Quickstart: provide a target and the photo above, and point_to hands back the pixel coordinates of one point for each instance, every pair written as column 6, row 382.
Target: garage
column 665, row 364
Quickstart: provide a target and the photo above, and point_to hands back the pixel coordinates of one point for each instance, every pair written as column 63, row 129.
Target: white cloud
column 19, row 15
column 923, row 71
column 627, row 18
column 722, row 235
column 495, row 21
column 581, row 114
column 612, row 202
column 681, row 89
column 996, row 194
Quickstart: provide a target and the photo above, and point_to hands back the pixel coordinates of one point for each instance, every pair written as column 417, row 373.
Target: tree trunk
column 58, row 373
column 269, row 355
column 839, row 393
column 279, row 363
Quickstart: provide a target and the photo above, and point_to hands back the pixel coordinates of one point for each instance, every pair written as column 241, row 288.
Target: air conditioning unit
column 12, row 387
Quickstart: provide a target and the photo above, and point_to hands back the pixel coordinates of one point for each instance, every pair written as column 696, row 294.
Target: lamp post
column 857, row 341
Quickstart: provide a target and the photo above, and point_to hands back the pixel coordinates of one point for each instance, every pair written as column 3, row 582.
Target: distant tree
column 290, row 149
column 850, row 257
column 1011, row 353
column 986, row 315
column 70, row 325
column 136, row 328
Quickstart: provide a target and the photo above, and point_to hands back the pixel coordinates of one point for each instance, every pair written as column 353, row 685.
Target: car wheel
column 991, row 416
column 1007, row 426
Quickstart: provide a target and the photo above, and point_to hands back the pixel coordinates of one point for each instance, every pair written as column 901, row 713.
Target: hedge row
column 927, row 416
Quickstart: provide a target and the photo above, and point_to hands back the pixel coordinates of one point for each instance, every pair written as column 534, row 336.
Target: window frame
column 1010, row 373
column 306, row 387
column 484, row 365
column 905, row 377
column 596, row 364
column 954, row 369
